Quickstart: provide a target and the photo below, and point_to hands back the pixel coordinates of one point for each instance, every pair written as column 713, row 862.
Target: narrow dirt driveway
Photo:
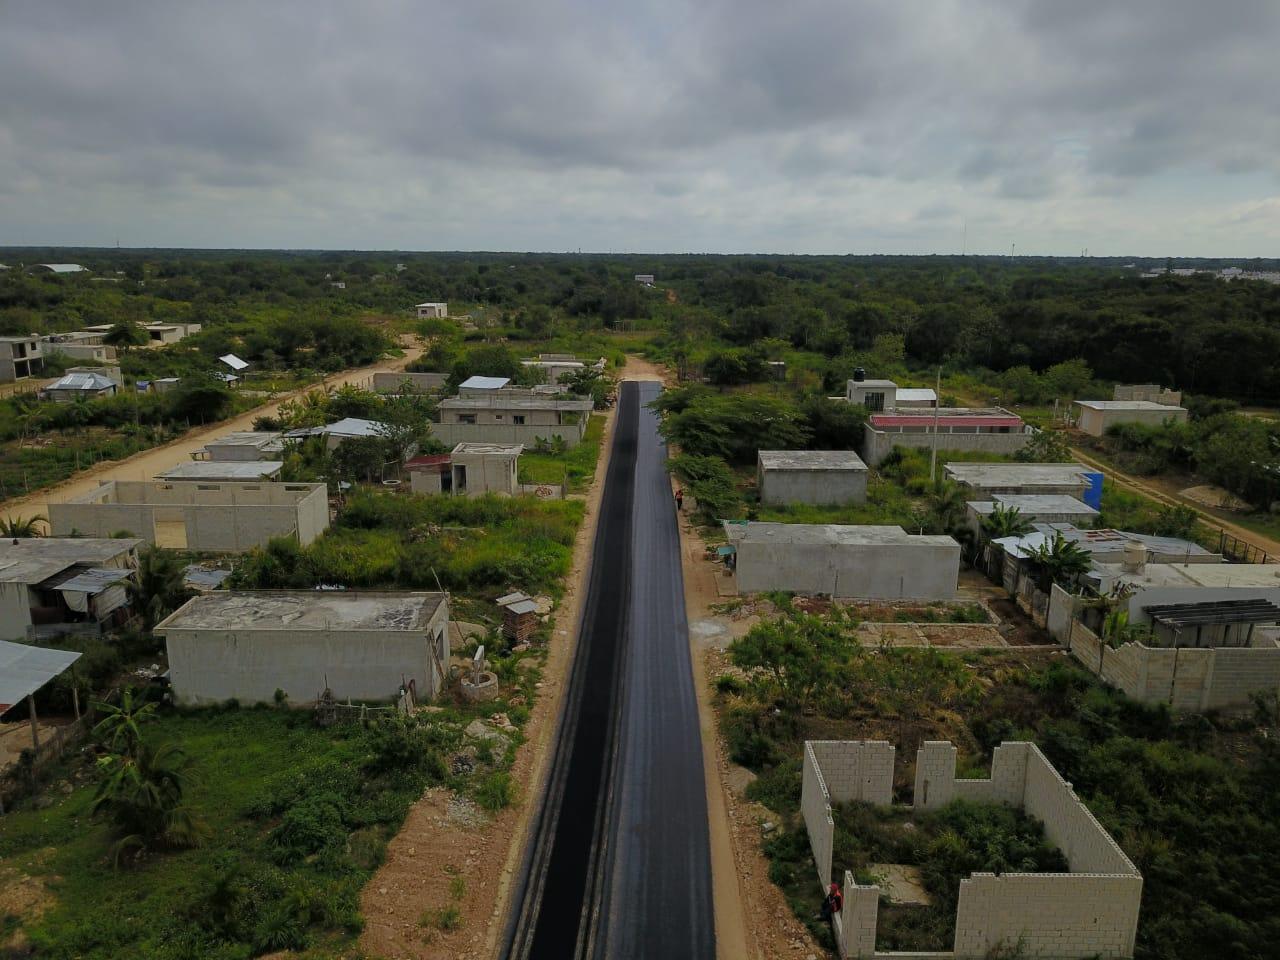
column 145, row 465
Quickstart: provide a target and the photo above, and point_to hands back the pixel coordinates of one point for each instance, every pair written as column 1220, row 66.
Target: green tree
column 142, row 793
column 158, row 587
column 1045, row 446
column 126, row 335
column 1005, row 521
column 120, row 728
column 22, row 528
column 1060, row 561
column 797, row 657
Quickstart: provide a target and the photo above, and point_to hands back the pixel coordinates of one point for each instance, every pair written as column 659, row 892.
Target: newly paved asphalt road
column 620, row 862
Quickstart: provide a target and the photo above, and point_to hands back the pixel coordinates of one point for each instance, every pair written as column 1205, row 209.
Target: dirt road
column 1265, row 544
column 145, row 465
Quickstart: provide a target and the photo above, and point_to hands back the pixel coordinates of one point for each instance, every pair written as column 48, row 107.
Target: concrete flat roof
column 294, row 610
column 245, row 438
column 467, row 448
column 34, row 560
column 916, row 393
column 810, row 460
column 223, row 470
column 499, row 402
column 1033, row 503
column 874, row 383
column 1195, row 574
column 831, row 533
column 990, row 474
column 1127, row 405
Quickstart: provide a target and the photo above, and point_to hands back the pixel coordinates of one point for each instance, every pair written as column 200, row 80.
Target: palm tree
column 158, row 589
column 18, row 528
column 946, row 507
column 142, row 793
column 121, row 727
column 1061, row 561
column 1005, row 521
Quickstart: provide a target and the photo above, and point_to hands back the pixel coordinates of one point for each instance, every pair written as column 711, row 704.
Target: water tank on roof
column 859, row 374
column 1135, row 556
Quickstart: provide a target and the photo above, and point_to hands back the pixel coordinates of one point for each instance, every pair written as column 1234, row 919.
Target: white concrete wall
column 217, row 517
column 15, row 611
column 1090, row 911
column 878, row 444
column 916, row 571
column 212, row 666
column 485, row 474
column 1096, row 422
column 451, row 434
column 818, row 487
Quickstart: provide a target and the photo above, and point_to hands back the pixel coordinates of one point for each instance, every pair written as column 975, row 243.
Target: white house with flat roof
column 867, row 562
column 1095, row 417
column 243, row 445
column 432, row 310
column 480, row 468
column 817, row 477
column 365, row 646
column 511, row 417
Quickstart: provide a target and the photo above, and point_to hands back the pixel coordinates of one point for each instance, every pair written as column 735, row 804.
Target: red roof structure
column 428, row 460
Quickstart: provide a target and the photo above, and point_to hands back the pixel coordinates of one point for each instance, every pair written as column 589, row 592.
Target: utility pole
column 933, row 457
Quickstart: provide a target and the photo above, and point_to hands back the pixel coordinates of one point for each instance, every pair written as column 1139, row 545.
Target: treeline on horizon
column 1195, row 333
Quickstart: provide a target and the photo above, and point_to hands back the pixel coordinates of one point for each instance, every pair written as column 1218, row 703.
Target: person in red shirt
column 833, row 903
column 679, row 499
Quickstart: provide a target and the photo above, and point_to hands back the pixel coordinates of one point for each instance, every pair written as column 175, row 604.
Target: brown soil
column 431, row 853
column 145, row 465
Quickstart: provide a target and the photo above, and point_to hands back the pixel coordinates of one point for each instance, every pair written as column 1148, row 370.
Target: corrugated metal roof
column 82, row 381
column 94, row 580
column 234, row 362
column 25, row 669
column 485, row 383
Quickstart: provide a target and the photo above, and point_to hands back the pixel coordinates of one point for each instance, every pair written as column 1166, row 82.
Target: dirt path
column 1148, row 489
column 146, row 464
column 442, row 847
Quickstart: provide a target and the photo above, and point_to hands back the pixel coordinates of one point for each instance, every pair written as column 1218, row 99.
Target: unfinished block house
column 1090, row 911
column 818, row 477
column 864, row 562
column 53, row 585
column 247, row 645
column 185, row 515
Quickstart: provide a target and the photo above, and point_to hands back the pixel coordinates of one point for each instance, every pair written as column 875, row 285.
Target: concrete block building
column 20, row 357
column 555, row 365
column 1034, row 508
column 1095, row 417
column 511, row 417
column 1090, row 911
column 215, row 517
column 986, row 480
column 1147, row 391
column 243, row 446
column 51, row 583
column 247, row 645
column 480, row 468
column 818, row 477
column 206, row 471
column 432, row 311
column 72, row 387
column 865, row 562
column 989, row 430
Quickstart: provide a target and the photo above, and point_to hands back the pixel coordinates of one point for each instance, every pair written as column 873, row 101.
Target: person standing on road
column 679, row 499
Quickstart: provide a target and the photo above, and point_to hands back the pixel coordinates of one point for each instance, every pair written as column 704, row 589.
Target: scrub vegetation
column 1184, row 797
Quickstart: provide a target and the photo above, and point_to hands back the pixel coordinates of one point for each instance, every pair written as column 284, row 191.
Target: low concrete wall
column 878, row 444
column 1188, row 679
column 395, row 382
column 215, row 517
column 1090, row 911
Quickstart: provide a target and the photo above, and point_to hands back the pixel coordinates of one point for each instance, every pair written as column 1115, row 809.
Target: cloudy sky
column 1147, row 127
